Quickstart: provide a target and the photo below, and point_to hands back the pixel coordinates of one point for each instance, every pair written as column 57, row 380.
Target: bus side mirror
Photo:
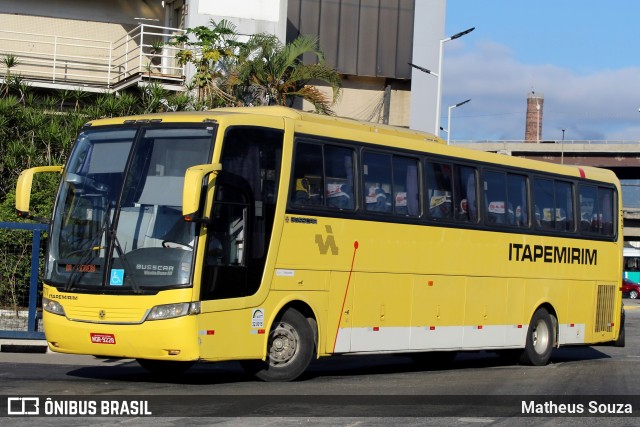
column 192, row 190
column 23, row 187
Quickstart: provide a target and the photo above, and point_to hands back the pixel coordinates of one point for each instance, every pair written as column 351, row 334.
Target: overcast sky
column 581, row 55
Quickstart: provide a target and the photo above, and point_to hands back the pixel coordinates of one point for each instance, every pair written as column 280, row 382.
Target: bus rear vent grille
column 604, row 310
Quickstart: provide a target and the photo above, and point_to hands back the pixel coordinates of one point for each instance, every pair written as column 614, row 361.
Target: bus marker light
column 582, row 174
column 173, row 352
column 432, row 328
column 519, row 326
column 211, row 332
column 430, row 283
column 479, row 326
column 261, row 331
column 376, row 328
column 572, row 325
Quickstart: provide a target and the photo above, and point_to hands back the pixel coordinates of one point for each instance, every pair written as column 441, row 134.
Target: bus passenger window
column 405, row 186
column 465, row 204
column 606, row 207
column 307, row 185
column 596, row 210
column 339, row 177
column 495, row 197
column 377, row 182
column 564, row 206
column 439, row 190
column 518, row 214
column 543, row 196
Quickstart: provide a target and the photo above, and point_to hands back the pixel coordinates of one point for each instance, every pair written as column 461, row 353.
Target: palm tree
column 270, row 73
column 9, row 61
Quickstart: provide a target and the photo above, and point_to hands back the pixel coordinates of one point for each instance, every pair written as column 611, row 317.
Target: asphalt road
column 478, row 388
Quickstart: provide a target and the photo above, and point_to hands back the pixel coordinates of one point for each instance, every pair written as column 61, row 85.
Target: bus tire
column 290, row 349
column 539, row 340
column 165, row 367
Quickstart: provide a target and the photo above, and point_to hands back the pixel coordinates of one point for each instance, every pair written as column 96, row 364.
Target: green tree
column 270, row 73
column 212, row 50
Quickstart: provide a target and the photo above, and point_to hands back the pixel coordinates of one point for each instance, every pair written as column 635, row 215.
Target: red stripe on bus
column 346, row 291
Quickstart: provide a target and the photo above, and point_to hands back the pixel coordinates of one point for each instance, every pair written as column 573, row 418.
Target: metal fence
column 20, row 295
column 105, row 64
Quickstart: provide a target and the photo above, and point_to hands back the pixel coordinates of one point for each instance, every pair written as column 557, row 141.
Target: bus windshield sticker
column 117, row 277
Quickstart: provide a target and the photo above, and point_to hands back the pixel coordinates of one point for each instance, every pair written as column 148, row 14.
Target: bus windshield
column 118, row 222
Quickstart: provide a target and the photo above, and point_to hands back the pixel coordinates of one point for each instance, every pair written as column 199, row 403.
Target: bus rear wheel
column 290, row 349
column 539, row 340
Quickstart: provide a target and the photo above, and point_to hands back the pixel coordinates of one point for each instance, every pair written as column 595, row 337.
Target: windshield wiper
column 111, row 240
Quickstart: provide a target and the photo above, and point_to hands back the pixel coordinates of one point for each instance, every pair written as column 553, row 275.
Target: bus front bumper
column 169, row 339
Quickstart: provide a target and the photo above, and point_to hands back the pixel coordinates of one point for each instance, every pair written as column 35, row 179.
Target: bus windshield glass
column 118, row 222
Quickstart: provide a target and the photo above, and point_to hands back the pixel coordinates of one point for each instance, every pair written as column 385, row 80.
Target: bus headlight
column 169, row 311
column 52, row 306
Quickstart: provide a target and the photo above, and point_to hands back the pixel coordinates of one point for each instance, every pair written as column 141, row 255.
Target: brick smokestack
column 533, row 128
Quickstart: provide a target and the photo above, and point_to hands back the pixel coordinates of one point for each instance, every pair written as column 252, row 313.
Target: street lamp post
column 451, row 107
column 562, row 149
column 439, row 75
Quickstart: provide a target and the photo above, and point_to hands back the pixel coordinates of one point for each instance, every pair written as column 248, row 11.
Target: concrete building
column 99, row 45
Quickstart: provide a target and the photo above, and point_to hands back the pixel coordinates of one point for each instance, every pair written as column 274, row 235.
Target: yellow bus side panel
column 429, row 287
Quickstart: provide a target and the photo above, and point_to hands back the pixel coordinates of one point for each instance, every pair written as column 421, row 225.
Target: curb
column 23, row 346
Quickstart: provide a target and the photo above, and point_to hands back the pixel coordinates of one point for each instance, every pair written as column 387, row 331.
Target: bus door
column 237, row 241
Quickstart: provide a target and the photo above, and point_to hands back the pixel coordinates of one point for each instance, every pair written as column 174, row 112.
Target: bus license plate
column 103, row 338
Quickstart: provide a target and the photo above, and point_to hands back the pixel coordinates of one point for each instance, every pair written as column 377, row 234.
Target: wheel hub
column 283, row 344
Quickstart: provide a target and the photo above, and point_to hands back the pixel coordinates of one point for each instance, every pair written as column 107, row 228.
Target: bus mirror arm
column 192, row 200
column 23, row 189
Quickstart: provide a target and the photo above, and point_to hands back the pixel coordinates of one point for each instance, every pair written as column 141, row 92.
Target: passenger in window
column 440, row 205
column 304, row 194
column 471, row 197
column 463, row 210
column 339, row 196
column 378, row 200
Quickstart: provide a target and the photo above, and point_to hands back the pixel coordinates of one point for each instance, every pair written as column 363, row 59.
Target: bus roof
column 397, row 137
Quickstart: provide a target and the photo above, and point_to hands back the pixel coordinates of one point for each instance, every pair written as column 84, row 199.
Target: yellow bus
column 274, row 237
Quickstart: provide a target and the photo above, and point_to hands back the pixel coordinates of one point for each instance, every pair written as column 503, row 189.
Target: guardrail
column 90, row 62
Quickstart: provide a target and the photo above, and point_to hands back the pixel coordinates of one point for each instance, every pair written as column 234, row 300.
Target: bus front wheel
column 290, row 349
column 540, row 338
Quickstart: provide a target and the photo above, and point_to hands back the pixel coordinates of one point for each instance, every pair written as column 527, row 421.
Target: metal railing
column 14, row 323
column 142, row 52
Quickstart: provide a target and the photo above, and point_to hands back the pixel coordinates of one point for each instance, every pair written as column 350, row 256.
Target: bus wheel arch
column 542, row 336
column 291, row 345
